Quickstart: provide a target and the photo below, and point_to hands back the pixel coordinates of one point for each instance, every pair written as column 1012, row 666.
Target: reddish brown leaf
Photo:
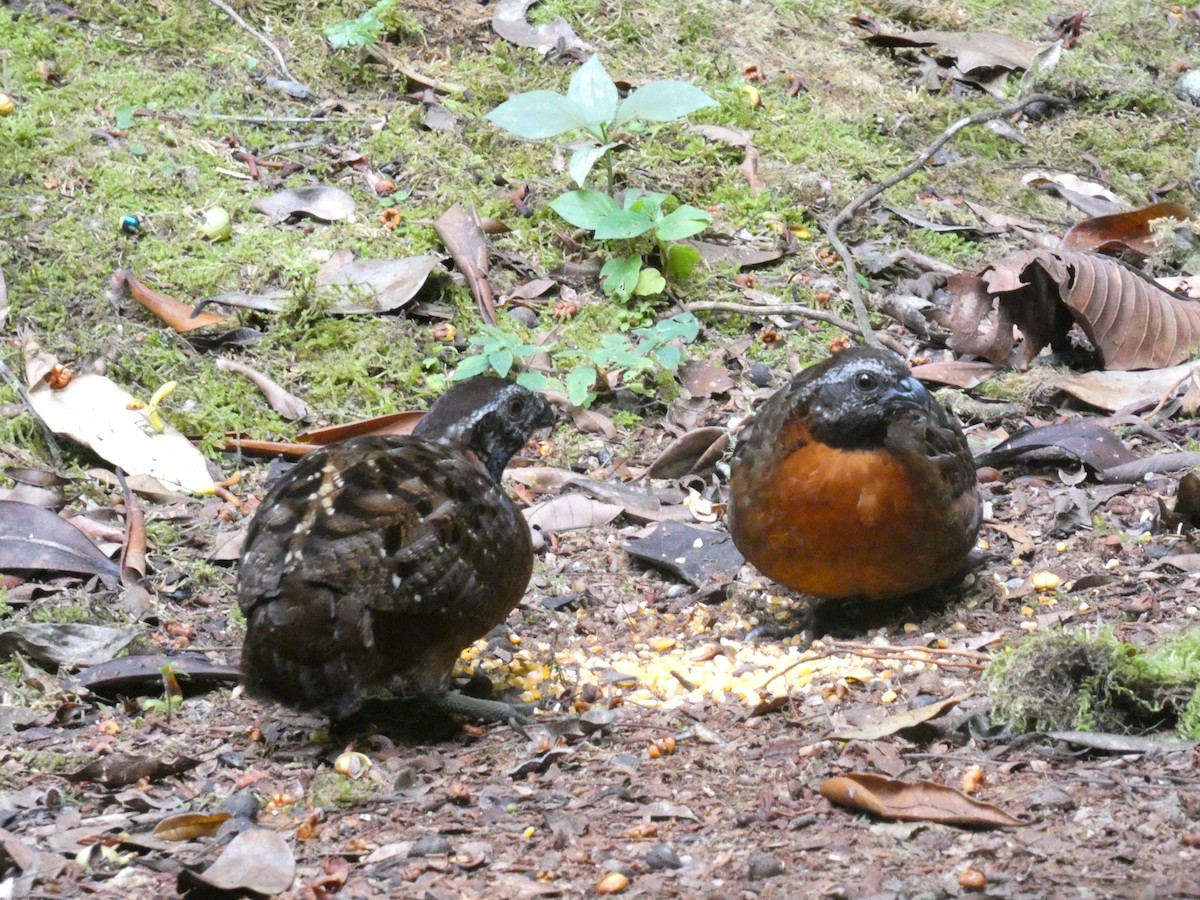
column 172, row 312
column 691, row 452
column 1114, row 233
column 921, row 801
column 284, row 403
column 392, row 423
column 1132, row 322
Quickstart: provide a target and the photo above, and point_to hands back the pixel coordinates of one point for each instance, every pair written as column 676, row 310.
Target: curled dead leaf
column 919, row 801
column 1131, row 321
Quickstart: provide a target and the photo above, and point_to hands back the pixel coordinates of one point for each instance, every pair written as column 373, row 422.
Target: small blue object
column 131, row 224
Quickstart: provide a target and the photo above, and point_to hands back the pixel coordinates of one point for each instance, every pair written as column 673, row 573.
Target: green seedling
column 498, row 352
column 655, row 348
column 363, row 31
column 591, row 104
column 642, row 213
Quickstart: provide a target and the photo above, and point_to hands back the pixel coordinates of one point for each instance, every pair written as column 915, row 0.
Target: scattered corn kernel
column 529, row 832
column 1112, row 564
column 1027, row 610
column 612, row 883
column 1045, row 581
column 888, row 697
column 352, row 764
column 1061, row 546
column 972, row 780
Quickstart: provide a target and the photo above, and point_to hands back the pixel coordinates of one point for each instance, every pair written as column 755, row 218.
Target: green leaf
column 470, row 367
column 592, row 93
column 650, row 283
column 579, row 385
column 620, row 275
column 669, row 357
column 536, row 381
column 661, row 101
column 124, row 117
column 682, row 260
column 584, row 158
column 682, row 223
column 585, row 209
column 623, row 224
column 501, row 361
column 536, row 115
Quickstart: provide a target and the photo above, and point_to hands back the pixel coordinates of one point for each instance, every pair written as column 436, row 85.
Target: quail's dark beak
column 547, row 417
column 908, row 392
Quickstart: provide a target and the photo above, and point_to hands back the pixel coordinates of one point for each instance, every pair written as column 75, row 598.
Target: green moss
column 329, row 790
column 1071, row 680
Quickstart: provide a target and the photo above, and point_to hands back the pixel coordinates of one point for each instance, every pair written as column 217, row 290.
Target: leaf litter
column 633, row 643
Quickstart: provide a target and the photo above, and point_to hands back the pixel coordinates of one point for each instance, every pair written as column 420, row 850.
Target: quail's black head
column 486, row 417
column 850, row 398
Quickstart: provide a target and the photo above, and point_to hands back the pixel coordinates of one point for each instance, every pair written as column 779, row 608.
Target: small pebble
column 430, row 845
column 661, row 856
column 524, row 315
column 764, row 865
column 240, row 805
column 760, row 375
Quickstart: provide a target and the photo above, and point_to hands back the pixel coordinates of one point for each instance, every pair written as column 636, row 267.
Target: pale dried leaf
column 510, row 23
column 570, row 512
column 280, row 400
column 257, row 860
column 373, row 285
column 1117, row 390
column 68, row 644
column 321, row 201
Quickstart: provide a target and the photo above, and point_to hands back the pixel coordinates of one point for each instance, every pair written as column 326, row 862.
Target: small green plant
column 655, row 349
column 172, row 698
column 624, row 276
column 363, row 31
column 591, row 104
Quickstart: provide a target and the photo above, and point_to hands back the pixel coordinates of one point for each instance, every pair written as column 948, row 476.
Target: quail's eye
column 516, row 406
column 866, row 381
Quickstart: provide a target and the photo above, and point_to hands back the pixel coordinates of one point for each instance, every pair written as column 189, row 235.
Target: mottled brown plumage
column 852, row 481
column 373, row 562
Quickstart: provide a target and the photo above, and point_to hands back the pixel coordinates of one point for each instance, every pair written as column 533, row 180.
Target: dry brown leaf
column 960, row 373
column 391, row 423
column 982, row 58
column 1117, row 390
column 920, row 801
column 35, row 538
column 1121, row 231
column 257, row 860
column 172, row 312
column 694, row 451
column 1131, row 321
column 909, row 718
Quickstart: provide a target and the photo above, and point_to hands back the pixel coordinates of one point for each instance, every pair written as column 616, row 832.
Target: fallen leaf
column 373, row 285
column 510, row 23
column 133, row 548
column 694, row 451
column 389, row 423
column 280, row 400
column 95, row 411
column 142, row 673
column 1092, row 198
column 189, row 826
column 1117, row 390
column 177, row 315
column 321, row 201
column 893, row 724
column 920, row 801
column 570, row 512
column 33, row 538
column 1081, row 440
column 69, row 644
column 463, row 235
column 982, row 58
column 258, row 860
column 698, row 555
column 960, row 373
column 1131, row 321
column 1115, row 232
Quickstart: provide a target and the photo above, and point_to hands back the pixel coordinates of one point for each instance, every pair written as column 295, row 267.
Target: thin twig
column 861, row 315
column 887, row 652
column 258, row 120
column 224, row 7
column 442, row 87
column 788, row 309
